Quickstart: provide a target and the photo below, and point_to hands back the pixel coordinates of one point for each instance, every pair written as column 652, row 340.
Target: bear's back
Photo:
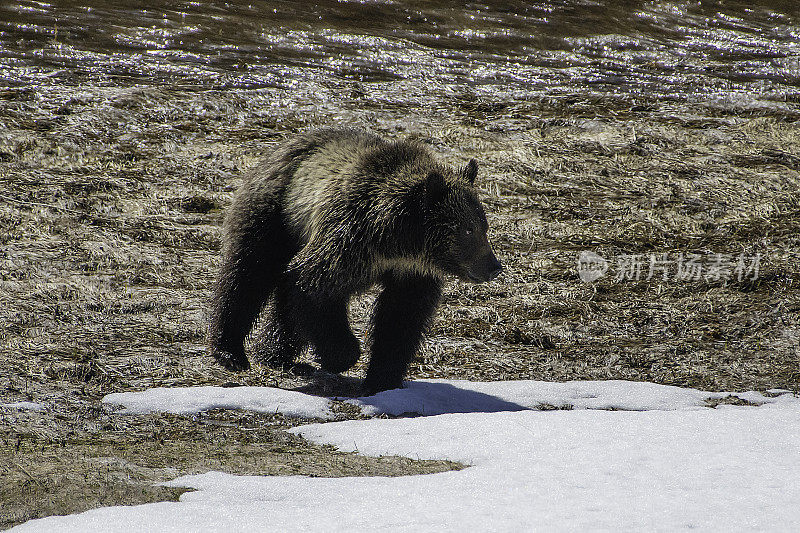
column 343, row 166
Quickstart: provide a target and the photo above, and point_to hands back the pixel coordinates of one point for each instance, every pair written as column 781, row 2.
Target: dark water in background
column 745, row 54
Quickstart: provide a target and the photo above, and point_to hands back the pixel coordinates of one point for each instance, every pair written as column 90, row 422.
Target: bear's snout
column 486, row 269
column 494, row 268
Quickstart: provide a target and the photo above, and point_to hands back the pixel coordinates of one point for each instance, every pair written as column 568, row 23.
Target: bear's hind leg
column 240, row 295
column 402, row 312
column 257, row 250
column 323, row 321
column 283, row 343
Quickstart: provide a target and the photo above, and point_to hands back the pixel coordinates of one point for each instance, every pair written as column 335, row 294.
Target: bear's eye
column 468, row 231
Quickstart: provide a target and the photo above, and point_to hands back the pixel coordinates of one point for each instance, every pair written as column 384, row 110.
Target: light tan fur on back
column 308, row 201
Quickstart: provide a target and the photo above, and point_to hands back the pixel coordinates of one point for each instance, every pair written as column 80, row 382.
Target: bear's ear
column 470, row 171
column 435, row 188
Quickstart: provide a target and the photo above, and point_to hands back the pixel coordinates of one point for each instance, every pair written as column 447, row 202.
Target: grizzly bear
column 328, row 215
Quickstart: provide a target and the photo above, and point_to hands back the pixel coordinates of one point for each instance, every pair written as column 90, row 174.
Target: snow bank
column 434, row 397
column 734, row 469
column 188, row 400
column 679, row 466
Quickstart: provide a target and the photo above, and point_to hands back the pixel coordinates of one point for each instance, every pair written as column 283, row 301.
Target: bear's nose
column 495, row 268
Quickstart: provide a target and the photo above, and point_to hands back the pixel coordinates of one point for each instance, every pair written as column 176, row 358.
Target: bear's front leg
column 402, row 312
column 322, row 277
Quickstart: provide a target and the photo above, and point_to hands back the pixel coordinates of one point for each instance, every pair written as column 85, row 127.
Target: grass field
column 111, row 202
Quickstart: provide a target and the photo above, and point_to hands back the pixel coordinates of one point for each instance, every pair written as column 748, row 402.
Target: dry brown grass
column 110, row 207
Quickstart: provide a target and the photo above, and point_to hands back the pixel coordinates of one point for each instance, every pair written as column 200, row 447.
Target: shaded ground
column 111, row 201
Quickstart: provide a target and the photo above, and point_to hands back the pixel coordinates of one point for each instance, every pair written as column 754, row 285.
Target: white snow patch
column 724, row 470
column 678, row 466
column 438, row 396
column 189, row 400
column 434, row 397
column 24, row 406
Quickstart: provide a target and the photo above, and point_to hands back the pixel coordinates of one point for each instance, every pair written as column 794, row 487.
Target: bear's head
column 456, row 226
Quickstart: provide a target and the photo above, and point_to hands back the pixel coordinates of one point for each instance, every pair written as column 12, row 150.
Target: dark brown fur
column 328, row 215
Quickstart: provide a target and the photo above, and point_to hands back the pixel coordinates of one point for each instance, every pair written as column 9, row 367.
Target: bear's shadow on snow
column 416, row 398
column 428, row 399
